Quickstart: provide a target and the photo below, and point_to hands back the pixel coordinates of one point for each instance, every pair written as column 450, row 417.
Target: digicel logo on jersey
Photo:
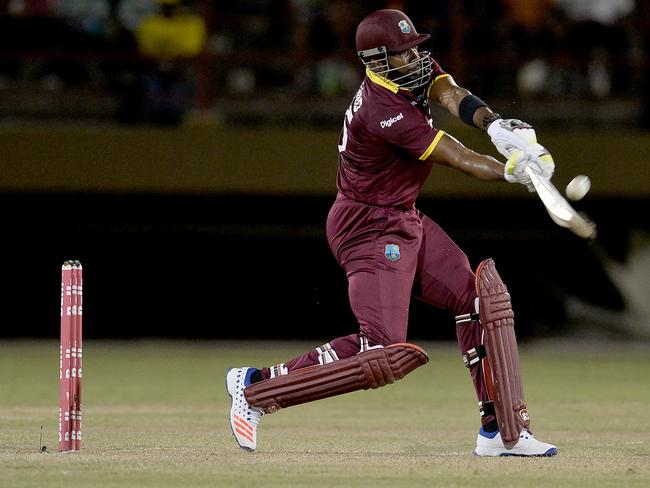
column 391, row 121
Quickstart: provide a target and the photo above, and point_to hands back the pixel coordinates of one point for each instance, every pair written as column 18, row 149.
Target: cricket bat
column 559, row 209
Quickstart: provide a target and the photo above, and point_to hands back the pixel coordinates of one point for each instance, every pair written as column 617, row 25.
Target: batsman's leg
column 345, row 363
column 499, row 352
column 380, row 266
column 369, row 367
column 374, row 368
column 446, row 280
column 489, row 441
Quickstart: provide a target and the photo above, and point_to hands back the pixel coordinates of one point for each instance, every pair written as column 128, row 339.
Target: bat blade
column 559, row 209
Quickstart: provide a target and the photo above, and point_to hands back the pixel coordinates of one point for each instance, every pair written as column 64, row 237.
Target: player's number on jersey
column 344, row 136
column 352, row 109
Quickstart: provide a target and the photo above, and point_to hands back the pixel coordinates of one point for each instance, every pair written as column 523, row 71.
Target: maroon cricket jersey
column 387, row 137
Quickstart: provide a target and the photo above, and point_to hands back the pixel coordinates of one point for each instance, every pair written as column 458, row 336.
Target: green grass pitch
column 155, row 415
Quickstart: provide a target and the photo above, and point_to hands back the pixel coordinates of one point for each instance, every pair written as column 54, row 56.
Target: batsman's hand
column 511, row 137
column 515, row 169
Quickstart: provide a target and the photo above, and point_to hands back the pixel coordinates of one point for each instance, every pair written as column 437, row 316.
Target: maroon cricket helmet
column 387, row 30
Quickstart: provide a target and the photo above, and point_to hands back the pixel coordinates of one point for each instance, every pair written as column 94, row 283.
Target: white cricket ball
column 578, row 187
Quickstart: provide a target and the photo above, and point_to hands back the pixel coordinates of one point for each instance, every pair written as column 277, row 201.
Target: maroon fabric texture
column 384, row 134
column 389, row 250
column 379, row 288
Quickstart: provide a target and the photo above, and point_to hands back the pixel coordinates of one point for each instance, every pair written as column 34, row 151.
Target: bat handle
column 531, row 171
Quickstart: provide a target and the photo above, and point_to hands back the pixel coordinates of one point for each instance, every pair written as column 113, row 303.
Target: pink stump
column 70, row 353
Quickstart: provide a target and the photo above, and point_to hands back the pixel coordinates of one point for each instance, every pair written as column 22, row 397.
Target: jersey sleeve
column 407, row 128
column 437, row 71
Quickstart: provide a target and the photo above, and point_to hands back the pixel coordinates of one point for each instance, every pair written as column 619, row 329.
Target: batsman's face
column 405, row 62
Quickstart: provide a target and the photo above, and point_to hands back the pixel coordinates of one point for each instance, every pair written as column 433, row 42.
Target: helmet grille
column 419, row 71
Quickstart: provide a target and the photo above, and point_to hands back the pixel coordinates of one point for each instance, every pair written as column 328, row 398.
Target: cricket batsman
column 390, row 250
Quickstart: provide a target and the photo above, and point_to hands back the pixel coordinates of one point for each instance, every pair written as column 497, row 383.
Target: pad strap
column 369, row 369
column 474, row 355
column 486, row 409
column 278, row 370
column 326, row 354
column 467, row 318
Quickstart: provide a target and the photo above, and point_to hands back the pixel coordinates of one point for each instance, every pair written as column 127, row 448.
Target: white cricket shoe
column 243, row 417
column 490, row 444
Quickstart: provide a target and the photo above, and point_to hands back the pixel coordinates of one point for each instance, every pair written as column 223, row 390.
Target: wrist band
column 468, row 106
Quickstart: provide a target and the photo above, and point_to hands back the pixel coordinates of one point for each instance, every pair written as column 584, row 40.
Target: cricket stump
column 70, row 356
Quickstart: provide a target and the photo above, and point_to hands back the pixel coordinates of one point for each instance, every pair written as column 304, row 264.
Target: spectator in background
column 534, row 33
column 7, row 66
column 170, row 40
column 325, row 30
column 643, row 28
column 599, row 36
column 31, row 8
column 131, row 12
column 87, row 17
column 65, row 38
column 120, row 66
column 30, row 25
column 525, row 22
column 251, row 32
column 86, row 23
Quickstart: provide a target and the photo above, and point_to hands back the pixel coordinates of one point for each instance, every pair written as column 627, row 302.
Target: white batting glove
column 515, row 168
column 510, row 136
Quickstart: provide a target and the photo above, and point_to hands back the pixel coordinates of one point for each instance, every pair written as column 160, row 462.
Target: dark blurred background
column 186, row 152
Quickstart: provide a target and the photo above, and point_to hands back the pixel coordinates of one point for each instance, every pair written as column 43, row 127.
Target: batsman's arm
column 514, row 139
column 450, row 152
column 460, row 102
